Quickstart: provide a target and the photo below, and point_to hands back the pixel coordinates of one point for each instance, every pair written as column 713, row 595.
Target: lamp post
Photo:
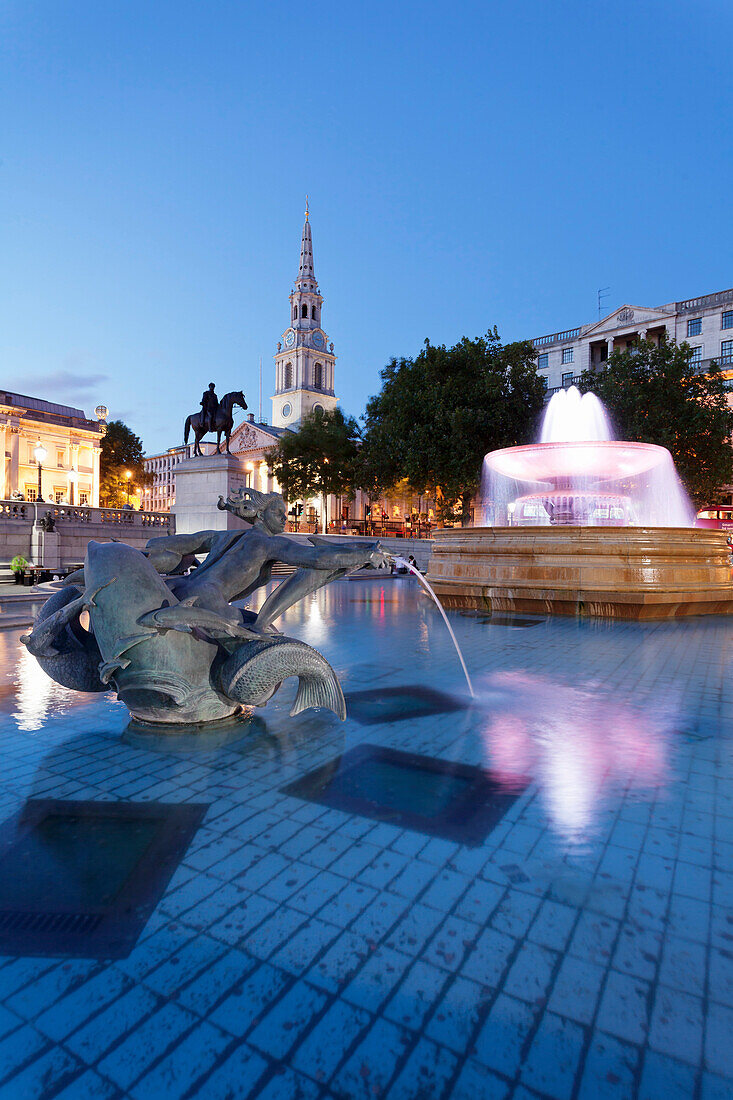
column 128, row 475
column 73, row 477
column 40, row 452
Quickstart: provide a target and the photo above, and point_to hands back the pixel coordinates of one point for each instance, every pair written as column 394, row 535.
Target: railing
column 721, row 297
column 575, row 381
column 63, row 513
column 556, row 337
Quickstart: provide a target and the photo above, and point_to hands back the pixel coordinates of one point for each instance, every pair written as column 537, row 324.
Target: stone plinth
column 617, row 572
column 199, row 484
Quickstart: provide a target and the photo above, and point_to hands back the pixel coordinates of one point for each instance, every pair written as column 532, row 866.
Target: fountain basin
column 618, row 572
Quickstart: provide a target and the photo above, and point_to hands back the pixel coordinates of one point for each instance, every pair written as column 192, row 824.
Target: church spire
column 305, row 271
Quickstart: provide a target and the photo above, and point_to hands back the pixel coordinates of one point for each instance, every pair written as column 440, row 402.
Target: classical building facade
column 304, row 363
column 71, row 442
column 705, row 323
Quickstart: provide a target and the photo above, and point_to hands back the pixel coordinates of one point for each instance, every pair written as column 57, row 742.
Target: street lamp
column 40, row 455
column 128, row 475
column 73, row 478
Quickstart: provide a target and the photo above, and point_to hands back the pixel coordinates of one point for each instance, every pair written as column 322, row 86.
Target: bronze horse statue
column 223, row 422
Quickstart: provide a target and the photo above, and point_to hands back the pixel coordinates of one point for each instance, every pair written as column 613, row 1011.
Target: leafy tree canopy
column 319, row 458
column 438, row 414
column 121, row 450
column 654, row 395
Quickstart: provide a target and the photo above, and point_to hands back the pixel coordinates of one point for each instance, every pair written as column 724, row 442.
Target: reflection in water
column 576, row 742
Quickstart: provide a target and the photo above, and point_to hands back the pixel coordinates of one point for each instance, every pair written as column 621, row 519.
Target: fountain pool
column 582, row 523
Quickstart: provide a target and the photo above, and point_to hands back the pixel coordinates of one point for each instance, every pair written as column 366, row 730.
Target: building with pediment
column 705, row 323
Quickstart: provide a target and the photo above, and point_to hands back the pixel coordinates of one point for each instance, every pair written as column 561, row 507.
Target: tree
column 318, row 459
column 121, row 450
column 654, row 395
column 438, row 414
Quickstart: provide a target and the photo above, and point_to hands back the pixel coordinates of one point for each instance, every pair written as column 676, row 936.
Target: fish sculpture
column 173, row 646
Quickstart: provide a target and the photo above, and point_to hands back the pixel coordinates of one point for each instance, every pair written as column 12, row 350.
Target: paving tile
column 88, row 1086
column 610, row 1069
column 488, row 960
column 236, row 1078
column 414, row 929
column 531, row 973
column 477, row 1081
column 666, row 1077
column 552, row 925
column 677, row 1025
column 322, row 1051
column 188, row 1062
column 78, row 1006
column 283, row 1025
column 449, row 945
column 149, row 1041
column 577, row 989
column 480, row 901
column 249, row 1000
column 720, row 975
column 683, row 966
column 426, row 1073
column 377, row 978
column 554, row 1056
column 415, row 995
column 111, row 1025
column 624, row 1010
column 718, row 1047
column 638, row 950
column 594, row 938
column 500, row 1043
column 47, row 1073
column 339, row 962
column 368, row 1071
column 457, row 1014
column 287, row 1085
column 216, row 981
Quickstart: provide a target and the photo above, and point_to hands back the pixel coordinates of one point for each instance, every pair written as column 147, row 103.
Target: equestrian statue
column 215, row 416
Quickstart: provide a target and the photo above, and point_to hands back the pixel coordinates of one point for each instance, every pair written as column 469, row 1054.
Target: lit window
column 694, row 327
column 542, row 361
column 30, row 493
column 726, row 321
column 567, row 355
column 696, row 356
column 83, row 498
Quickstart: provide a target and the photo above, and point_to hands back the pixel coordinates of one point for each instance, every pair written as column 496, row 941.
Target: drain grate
column 80, row 923
column 380, row 705
column 437, row 797
column 80, row 879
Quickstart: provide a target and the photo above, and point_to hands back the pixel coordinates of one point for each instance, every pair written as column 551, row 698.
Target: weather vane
column 306, row 207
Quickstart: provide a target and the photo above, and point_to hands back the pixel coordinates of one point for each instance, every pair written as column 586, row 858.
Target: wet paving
column 579, row 945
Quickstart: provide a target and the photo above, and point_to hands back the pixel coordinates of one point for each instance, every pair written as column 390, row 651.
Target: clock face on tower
column 318, row 339
column 289, row 338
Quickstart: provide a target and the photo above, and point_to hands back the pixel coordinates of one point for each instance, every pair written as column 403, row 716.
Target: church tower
column 304, row 363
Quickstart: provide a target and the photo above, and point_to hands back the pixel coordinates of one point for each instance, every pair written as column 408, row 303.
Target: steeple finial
column 305, row 269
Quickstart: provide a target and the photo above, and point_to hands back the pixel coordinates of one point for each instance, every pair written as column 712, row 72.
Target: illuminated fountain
column 582, row 524
column 579, row 475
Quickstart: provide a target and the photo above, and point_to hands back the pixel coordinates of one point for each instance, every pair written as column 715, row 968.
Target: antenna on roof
column 602, row 293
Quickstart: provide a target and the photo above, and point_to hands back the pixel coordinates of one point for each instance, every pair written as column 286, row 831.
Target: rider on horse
column 210, row 407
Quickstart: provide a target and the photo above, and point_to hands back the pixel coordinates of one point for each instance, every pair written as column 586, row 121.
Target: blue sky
column 468, row 165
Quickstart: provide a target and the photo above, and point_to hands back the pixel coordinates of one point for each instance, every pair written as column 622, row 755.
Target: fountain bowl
column 613, row 572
